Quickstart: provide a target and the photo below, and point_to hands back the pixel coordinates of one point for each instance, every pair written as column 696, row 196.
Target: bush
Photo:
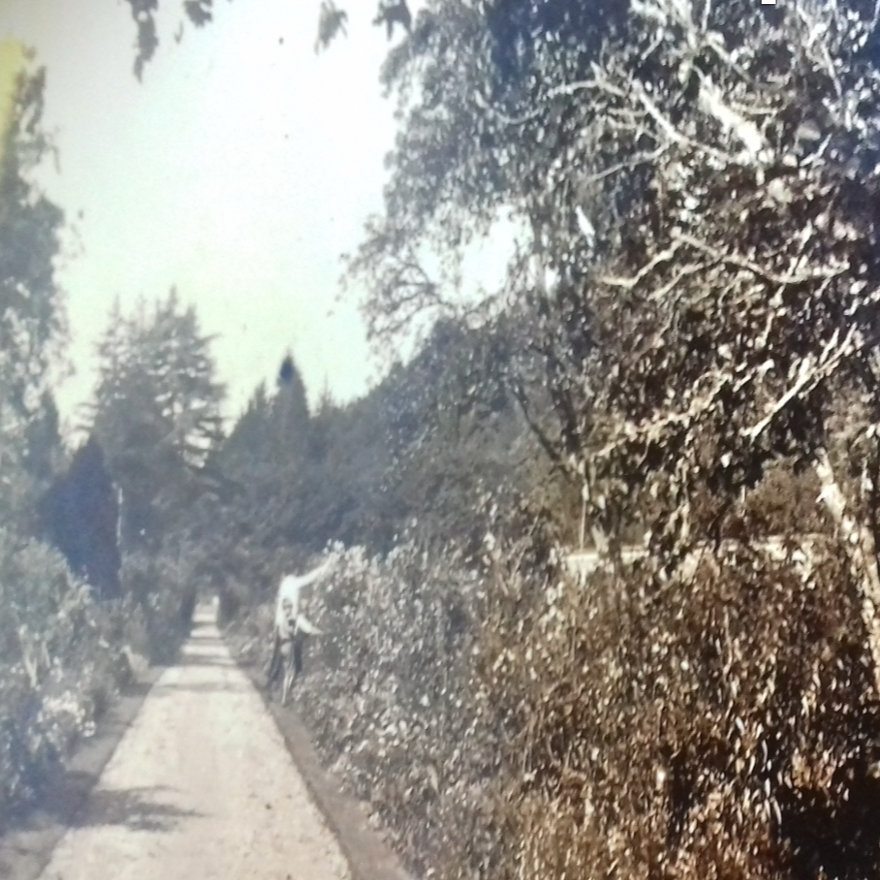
column 722, row 728
column 505, row 724
column 388, row 696
column 59, row 667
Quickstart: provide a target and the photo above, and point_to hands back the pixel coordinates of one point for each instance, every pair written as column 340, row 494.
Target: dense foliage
column 503, row 721
column 410, row 457
column 60, row 665
column 155, row 412
column 80, row 514
column 686, row 343
column 695, row 186
column 684, row 354
column 59, row 649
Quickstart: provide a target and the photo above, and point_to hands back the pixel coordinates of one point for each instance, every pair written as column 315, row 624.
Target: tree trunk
column 861, row 547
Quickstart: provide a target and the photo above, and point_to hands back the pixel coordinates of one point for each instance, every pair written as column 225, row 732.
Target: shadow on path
column 135, row 808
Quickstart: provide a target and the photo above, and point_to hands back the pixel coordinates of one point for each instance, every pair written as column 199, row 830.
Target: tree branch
column 754, row 268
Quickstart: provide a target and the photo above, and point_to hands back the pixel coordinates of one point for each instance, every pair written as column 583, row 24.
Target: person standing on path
column 289, row 622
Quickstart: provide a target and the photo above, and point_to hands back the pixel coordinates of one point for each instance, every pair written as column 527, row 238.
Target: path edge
column 369, row 857
column 27, row 847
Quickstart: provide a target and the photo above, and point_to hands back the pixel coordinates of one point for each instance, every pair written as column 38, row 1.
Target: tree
column 43, row 443
column 31, row 314
column 156, row 412
column 80, row 515
column 290, row 412
column 249, row 435
column 266, row 469
column 697, row 280
column 697, row 195
column 694, row 299
column 272, row 433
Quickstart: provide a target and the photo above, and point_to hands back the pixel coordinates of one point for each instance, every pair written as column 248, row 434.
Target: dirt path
column 201, row 786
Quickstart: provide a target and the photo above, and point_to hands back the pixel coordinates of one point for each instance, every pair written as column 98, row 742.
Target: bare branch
column 811, row 372
column 636, row 160
column 679, row 275
column 744, row 129
column 546, row 444
column 743, row 263
column 629, row 283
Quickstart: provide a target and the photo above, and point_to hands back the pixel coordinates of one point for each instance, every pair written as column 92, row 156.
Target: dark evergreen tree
column 290, row 414
column 80, row 515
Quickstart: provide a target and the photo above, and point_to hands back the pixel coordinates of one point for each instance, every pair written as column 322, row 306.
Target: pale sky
column 239, row 171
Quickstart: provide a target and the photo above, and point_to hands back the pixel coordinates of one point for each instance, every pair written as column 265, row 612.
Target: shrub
column 508, row 724
column 387, row 692
column 725, row 727
column 59, row 666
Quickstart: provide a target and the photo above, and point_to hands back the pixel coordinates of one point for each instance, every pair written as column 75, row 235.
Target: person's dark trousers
column 298, row 643
column 275, row 662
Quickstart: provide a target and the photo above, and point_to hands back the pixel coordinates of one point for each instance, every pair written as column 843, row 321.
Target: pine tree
column 156, row 410
column 290, row 413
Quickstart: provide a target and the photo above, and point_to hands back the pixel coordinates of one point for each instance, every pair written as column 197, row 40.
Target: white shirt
column 289, row 590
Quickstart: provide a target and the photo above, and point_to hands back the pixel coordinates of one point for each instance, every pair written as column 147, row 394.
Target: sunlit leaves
column 389, row 699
